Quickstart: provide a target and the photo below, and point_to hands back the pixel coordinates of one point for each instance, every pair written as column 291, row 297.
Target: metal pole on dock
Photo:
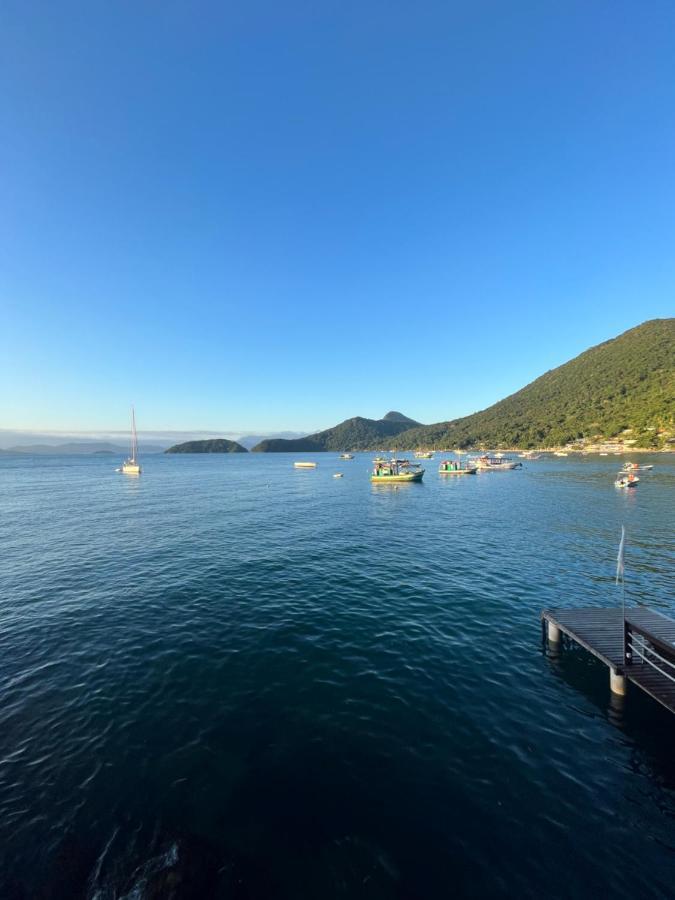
column 617, row 682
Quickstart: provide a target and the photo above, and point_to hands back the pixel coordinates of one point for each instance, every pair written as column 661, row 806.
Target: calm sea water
column 229, row 678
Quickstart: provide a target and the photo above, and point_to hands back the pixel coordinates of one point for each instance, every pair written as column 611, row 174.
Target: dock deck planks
column 600, row 631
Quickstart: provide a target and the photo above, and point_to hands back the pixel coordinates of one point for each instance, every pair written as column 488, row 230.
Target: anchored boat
column 132, row 466
column 395, row 471
column 496, row 463
column 455, row 467
column 304, row 465
column 424, row 454
column 346, row 456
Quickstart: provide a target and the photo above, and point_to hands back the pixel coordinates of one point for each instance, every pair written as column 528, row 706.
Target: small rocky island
column 216, row 445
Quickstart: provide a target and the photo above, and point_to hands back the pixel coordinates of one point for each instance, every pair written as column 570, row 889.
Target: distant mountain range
column 216, row 445
column 353, row 434
column 11, row 442
column 623, row 388
column 80, row 448
column 250, row 440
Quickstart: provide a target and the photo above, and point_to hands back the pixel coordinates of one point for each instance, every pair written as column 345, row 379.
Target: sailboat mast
column 134, row 443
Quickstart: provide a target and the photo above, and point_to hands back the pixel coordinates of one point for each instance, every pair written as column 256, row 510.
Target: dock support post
column 553, row 632
column 617, row 683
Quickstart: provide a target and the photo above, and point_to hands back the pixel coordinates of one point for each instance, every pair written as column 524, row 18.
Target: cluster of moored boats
column 395, row 470
column 402, row 470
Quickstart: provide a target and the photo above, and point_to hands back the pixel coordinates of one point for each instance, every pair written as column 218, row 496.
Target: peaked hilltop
column 623, row 388
column 353, row 434
column 394, row 416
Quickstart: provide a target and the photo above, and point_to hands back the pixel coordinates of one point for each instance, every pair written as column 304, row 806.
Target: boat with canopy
column 395, row 471
column 456, row 466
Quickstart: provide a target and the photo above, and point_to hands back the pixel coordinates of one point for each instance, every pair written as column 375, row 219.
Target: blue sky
column 258, row 216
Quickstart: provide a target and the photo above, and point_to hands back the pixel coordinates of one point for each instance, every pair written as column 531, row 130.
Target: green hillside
column 216, row 445
column 625, row 383
column 353, row 434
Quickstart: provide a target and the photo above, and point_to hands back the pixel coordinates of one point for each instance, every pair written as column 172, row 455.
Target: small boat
column 338, row 475
column 455, row 467
column 636, row 467
column 132, row 466
column 424, row 454
column 346, row 456
column 395, row 471
column 304, row 465
column 560, row 453
column 496, row 463
column 529, row 454
column 604, row 454
column 624, row 480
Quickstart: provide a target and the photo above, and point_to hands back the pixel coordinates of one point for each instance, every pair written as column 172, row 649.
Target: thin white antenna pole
column 620, row 565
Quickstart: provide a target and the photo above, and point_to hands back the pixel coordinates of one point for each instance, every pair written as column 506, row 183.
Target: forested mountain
column 353, row 434
column 625, row 383
column 216, row 445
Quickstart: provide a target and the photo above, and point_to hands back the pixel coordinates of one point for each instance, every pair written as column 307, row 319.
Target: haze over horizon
column 259, row 219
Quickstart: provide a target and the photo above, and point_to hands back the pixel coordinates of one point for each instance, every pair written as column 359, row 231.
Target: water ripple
column 229, row 678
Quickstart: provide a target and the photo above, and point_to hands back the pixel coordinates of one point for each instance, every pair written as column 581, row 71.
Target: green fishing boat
column 395, row 471
column 455, row 467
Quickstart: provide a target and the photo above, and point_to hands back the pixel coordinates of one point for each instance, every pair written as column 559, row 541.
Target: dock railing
column 641, row 643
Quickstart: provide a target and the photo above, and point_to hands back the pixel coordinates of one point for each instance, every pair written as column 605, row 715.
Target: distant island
column 621, row 391
column 215, row 445
column 72, row 448
column 353, row 434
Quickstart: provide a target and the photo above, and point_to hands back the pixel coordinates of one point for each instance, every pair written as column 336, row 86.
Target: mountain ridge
column 625, row 385
column 622, row 388
column 357, row 433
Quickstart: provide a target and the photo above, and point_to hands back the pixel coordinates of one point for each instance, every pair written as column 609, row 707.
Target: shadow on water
column 307, row 815
column 649, row 728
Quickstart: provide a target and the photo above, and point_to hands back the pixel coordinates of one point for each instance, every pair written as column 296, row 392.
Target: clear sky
column 267, row 215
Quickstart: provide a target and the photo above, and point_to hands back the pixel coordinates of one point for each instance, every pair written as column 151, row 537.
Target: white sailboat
column 132, row 466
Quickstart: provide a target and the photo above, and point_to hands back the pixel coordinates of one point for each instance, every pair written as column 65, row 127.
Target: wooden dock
column 639, row 647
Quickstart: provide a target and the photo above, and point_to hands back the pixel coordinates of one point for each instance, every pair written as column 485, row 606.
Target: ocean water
column 229, row 678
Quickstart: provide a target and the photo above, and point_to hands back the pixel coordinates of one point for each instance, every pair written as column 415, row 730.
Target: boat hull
column 131, row 469
column 304, row 465
column 458, row 471
column 394, row 479
column 503, row 467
